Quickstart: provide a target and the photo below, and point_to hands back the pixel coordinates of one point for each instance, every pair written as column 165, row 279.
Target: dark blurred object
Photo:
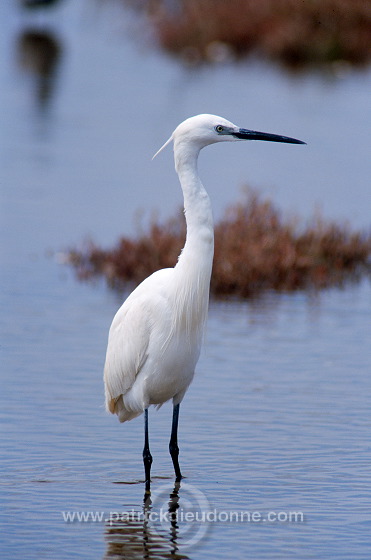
column 39, row 53
column 31, row 4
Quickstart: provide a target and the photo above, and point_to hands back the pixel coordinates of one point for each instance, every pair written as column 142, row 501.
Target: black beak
column 244, row 134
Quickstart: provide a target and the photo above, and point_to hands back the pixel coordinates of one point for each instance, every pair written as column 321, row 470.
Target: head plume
column 162, row 147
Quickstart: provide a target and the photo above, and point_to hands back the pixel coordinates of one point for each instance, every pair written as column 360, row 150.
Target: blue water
column 278, row 417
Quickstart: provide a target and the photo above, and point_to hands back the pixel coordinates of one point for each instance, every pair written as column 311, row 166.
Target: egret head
column 202, row 130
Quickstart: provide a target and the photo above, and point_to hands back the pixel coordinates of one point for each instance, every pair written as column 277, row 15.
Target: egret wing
column 127, row 349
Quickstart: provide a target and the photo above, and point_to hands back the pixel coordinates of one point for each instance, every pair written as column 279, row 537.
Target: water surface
column 278, row 417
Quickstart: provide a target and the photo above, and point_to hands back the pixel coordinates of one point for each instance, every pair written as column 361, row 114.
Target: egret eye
column 219, row 128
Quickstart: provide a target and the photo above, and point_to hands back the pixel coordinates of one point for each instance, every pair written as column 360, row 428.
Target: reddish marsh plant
column 295, row 33
column 256, row 249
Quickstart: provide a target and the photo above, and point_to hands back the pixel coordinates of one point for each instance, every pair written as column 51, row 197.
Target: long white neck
column 198, row 251
column 193, row 270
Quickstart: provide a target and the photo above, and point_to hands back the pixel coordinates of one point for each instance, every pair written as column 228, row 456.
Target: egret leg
column 147, row 457
column 173, row 445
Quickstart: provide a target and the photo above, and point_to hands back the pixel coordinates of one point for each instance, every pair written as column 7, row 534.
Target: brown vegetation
column 255, row 250
column 295, row 32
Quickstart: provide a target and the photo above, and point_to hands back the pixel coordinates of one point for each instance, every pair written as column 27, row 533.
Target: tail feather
column 116, row 406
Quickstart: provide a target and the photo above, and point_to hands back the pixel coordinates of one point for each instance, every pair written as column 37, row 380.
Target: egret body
column 155, row 337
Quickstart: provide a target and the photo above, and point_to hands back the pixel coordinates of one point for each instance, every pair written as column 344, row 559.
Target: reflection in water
column 173, row 507
column 39, row 54
column 131, row 534
column 38, row 3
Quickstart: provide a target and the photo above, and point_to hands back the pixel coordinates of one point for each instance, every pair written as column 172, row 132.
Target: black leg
column 173, row 445
column 147, row 457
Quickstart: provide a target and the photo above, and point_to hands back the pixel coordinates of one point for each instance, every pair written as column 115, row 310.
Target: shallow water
column 277, row 420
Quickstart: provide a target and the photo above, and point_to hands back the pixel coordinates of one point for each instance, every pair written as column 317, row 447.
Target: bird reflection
column 39, row 54
column 132, row 537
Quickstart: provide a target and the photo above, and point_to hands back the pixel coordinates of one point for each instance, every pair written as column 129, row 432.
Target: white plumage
column 155, row 337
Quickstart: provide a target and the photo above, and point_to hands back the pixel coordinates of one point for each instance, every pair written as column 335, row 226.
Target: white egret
column 155, row 337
